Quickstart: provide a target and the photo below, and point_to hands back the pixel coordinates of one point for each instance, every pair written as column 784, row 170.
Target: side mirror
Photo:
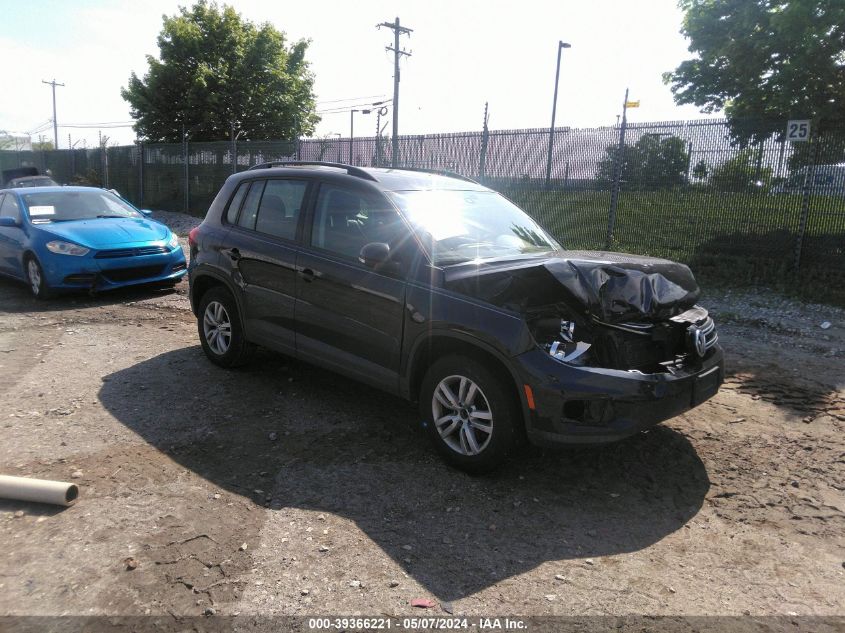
column 374, row 254
column 146, row 212
column 8, row 221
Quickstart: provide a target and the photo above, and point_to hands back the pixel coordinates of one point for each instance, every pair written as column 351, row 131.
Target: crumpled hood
column 106, row 232
column 611, row 287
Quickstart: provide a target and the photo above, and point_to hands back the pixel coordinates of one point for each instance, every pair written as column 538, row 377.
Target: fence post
column 482, row 162
column 104, row 165
column 234, row 150
column 809, row 176
column 187, row 171
column 618, row 166
column 140, row 174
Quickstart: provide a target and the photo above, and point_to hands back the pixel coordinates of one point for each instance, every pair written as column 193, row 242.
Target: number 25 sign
column 798, row 130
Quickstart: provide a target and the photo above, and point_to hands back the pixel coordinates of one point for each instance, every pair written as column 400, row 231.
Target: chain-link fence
column 678, row 189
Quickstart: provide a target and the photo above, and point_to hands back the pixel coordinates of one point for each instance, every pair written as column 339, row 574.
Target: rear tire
column 35, row 278
column 221, row 331
column 470, row 413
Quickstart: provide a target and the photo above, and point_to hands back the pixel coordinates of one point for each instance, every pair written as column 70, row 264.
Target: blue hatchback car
column 57, row 238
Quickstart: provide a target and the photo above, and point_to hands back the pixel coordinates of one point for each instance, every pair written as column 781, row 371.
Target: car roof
column 51, row 189
column 382, row 178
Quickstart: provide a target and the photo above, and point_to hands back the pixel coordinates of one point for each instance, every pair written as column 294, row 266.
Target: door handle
column 307, row 274
column 233, row 253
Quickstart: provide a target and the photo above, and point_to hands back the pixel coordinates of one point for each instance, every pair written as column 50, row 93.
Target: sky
column 464, row 53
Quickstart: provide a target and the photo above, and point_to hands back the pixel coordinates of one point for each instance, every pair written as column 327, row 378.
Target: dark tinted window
column 250, row 208
column 280, row 207
column 235, row 204
column 9, row 207
column 346, row 220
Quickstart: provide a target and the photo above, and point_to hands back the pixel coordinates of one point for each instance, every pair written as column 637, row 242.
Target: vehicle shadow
column 15, row 297
column 321, row 442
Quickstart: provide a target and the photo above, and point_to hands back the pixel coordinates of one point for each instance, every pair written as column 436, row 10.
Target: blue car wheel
column 35, row 278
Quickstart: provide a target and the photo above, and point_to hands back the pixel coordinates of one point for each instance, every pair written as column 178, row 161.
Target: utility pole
column 55, row 125
column 560, row 47
column 397, row 53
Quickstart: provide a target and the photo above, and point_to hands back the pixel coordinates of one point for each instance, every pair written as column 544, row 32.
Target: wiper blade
column 113, row 216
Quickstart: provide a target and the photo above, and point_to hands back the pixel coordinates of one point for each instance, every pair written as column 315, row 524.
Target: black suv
column 435, row 288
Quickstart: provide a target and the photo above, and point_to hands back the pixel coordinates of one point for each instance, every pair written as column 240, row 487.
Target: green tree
column 743, row 172
column 763, row 59
column 42, row 145
column 700, row 171
column 214, row 69
column 649, row 164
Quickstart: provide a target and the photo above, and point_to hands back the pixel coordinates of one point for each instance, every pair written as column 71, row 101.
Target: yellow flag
column 632, row 104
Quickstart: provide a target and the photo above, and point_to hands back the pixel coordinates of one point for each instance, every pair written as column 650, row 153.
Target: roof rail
column 350, row 169
column 440, row 172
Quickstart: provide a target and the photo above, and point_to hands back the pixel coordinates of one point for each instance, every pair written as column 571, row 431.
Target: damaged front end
column 620, row 342
column 600, row 309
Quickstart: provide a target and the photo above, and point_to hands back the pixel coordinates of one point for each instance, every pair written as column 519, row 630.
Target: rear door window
column 280, row 207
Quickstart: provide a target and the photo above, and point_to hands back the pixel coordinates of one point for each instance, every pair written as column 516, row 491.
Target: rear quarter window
column 249, row 211
column 235, row 203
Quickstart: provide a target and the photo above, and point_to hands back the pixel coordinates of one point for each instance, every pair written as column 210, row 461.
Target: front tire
column 35, row 278
column 470, row 413
column 221, row 331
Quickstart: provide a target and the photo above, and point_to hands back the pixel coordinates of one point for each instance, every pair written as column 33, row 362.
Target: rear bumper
column 64, row 272
column 594, row 405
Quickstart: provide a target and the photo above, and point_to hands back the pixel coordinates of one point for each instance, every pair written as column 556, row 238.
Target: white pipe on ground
column 38, row 490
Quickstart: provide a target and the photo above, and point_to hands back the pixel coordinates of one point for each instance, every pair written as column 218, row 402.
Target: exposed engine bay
column 601, row 309
column 648, row 347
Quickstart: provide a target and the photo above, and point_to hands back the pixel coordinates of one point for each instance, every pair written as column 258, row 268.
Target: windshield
column 61, row 206
column 461, row 226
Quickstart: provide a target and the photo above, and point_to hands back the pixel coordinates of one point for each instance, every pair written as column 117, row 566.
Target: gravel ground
column 285, row 489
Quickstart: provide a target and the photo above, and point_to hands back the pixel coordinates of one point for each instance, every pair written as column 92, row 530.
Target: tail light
column 192, row 237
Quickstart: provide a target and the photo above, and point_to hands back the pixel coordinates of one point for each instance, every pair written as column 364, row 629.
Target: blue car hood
column 106, row 232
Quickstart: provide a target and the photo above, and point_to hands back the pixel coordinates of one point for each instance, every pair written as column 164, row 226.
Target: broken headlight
column 566, row 349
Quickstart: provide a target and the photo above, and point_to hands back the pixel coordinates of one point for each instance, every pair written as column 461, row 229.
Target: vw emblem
column 698, row 342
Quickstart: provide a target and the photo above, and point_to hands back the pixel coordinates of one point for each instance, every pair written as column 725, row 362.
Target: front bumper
column 93, row 273
column 593, row 405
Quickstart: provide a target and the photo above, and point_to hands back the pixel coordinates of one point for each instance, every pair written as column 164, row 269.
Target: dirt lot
column 284, row 489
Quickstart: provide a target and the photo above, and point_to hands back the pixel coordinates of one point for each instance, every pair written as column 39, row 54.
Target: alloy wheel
column 462, row 415
column 34, row 273
column 217, row 327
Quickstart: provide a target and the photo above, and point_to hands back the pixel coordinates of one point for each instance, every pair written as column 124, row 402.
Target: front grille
column 645, row 346
column 177, row 267
column 132, row 252
column 708, row 329
column 132, row 274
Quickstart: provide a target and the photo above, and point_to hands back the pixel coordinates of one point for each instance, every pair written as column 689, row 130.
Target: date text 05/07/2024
column 418, row 623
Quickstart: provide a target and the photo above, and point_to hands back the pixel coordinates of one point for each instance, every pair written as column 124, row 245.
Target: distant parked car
column 442, row 291
column 31, row 181
column 823, row 180
column 83, row 237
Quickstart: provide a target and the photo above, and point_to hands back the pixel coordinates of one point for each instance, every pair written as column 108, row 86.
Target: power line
column 350, row 99
column 347, row 108
column 398, row 30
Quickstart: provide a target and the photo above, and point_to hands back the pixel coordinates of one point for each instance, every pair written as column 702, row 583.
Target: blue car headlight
column 173, row 242
column 66, row 248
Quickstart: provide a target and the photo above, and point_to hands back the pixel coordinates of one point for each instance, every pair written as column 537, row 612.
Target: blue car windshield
column 462, row 226
column 62, row 206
